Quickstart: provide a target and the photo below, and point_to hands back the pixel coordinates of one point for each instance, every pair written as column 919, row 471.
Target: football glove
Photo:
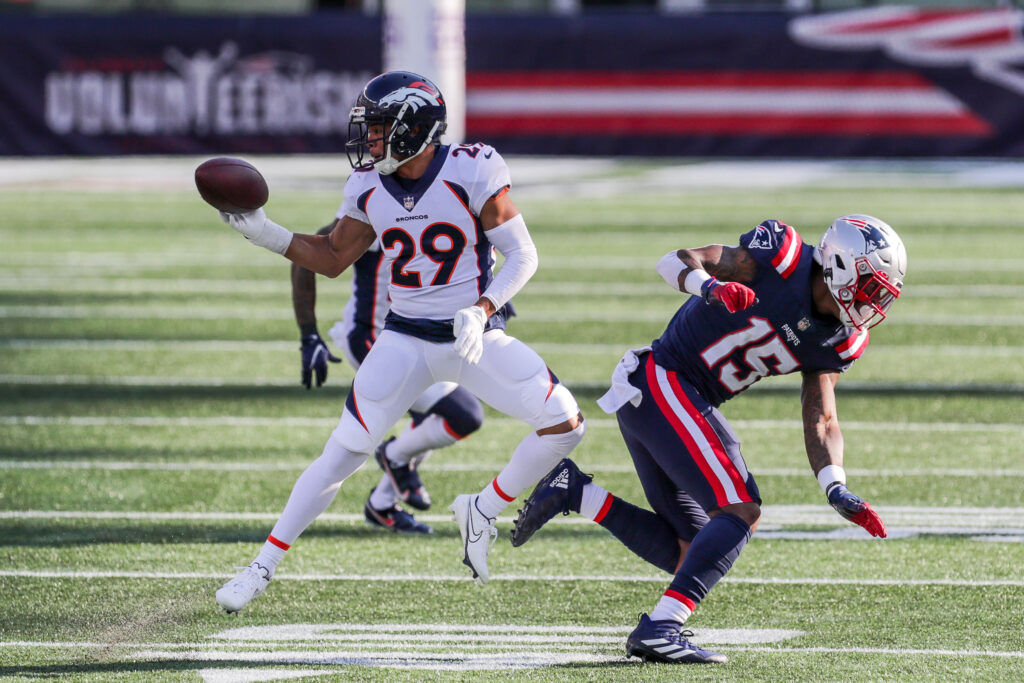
column 259, row 230
column 315, row 356
column 856, row 510
column 734, row 296
column 469, row 333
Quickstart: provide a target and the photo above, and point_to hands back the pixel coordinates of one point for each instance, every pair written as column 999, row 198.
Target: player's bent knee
column 560, row 403
column 748, row 512
column 562, row 443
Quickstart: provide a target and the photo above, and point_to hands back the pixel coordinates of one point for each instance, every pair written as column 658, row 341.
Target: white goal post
column 428, row 37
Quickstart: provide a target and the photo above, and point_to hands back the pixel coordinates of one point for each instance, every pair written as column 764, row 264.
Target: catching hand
column 315, row 356
column 733, row 295
column 856, row 510
column 469, row 333
column 259, row 230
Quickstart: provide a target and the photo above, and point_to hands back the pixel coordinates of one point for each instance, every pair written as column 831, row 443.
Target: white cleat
column 478, row 534
column 244, row 588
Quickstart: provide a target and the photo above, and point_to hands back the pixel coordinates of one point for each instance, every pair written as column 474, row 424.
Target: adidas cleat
column 561, row 490
column 478, row 534
column 665, row 641
column 394, row 519
column 244, row 588
column 405, row 480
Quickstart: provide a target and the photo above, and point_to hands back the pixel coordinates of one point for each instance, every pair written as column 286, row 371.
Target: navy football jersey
column 723, row 353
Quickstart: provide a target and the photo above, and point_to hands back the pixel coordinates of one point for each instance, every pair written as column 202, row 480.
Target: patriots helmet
column 864, row 263
column 411, row 111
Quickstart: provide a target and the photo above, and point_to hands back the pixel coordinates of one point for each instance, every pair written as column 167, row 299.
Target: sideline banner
column 883, row 82
column 181, row 85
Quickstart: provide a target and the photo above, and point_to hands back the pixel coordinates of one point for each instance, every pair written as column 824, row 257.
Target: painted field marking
column 304, row 421
column 193, row 312
column 475, row 466
column 231, row 345
column 118, row 283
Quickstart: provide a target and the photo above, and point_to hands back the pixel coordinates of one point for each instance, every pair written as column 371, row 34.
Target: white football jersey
column 435, row 249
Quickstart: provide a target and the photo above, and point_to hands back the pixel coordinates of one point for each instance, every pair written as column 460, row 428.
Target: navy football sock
column 643, row 532
column 711, row 554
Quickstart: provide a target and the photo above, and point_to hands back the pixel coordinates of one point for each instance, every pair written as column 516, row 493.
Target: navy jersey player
column 442, row 415
column 439, row 212
column 771, row 306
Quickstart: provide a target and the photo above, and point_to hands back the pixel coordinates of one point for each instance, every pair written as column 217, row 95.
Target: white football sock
column 383, row 497
column 315, row 489
column 533, row 458
column 431, row 433
column 593, row 500
column 671, row 608
column 271, row 554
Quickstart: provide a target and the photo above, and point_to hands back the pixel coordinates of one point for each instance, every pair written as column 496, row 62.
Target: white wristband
column 274, row 237
column 831, row 474
column 694, row 280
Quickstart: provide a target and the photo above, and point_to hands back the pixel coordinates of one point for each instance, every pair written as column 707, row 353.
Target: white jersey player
column 438, row 212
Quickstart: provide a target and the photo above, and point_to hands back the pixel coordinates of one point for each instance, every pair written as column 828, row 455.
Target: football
column 231, row 185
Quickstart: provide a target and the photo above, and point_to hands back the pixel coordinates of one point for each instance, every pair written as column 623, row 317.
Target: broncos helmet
column 864, row 263
column 410, row 109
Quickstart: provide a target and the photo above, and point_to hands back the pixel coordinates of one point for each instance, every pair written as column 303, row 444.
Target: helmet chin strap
column 390, row 164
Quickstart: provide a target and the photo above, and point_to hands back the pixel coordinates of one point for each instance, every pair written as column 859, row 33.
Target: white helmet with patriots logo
column 864, row 263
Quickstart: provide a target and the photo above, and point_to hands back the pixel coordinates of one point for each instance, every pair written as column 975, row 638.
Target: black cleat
column 394, row 519
column 405, row 480
column 561, row 490
column 665, row 641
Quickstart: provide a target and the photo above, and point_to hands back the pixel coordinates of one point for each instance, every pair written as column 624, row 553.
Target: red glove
column 733, row 295
column 856, row 510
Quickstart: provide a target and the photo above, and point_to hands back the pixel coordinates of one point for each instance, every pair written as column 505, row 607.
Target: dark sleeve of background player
column 304, row 293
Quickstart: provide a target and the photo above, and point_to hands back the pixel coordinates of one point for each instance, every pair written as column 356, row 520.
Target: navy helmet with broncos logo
column 411, row 112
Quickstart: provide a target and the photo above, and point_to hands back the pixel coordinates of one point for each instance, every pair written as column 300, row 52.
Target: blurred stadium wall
column 789, row 78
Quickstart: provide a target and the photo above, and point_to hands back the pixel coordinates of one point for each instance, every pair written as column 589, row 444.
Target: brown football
column 231, row 185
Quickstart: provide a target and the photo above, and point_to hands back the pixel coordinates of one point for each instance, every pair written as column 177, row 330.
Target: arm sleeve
column 356, row 197
column 513, row 240
column 775, row 246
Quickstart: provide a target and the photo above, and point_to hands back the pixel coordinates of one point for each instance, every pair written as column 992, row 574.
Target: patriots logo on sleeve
column 762, row 238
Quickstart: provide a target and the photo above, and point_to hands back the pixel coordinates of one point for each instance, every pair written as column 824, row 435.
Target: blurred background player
column 770, row 306
column 439, row 212
column 444, row 414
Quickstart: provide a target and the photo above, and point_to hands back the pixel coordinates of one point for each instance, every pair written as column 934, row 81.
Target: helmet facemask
column 402, row 141
column 864, row 262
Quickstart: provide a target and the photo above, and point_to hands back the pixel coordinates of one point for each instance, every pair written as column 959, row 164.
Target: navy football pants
column 684, row 451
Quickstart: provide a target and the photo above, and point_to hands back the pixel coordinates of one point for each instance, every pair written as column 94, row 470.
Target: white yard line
column 942, row 519
column 207, row 345
column 145, row 464
column 200, row 312
column 532, row 578
column 119, row 283
column 594, row 422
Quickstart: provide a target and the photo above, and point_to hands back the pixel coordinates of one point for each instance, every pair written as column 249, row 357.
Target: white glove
column 469, row 333
column 259, row 230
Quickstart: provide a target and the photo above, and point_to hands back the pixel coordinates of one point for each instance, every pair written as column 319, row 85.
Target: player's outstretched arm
column 716, row 273
column 331, row 254
column 314, row 353
column 824, row 443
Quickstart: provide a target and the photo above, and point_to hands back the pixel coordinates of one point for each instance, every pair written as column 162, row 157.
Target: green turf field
column 152, row 425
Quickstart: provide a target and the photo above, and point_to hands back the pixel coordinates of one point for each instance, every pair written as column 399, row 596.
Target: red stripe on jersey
column 788, row 256
column 716, row 486
column 278, row 542
column 676, row 595
column 497, row 489
column 712, row 437
column 604, row 508
column 852, row 348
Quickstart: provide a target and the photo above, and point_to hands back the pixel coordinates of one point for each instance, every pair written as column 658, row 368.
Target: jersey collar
column 407, row 199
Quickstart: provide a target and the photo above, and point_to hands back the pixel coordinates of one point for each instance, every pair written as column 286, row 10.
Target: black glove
column 856, row 510
column 315, row 355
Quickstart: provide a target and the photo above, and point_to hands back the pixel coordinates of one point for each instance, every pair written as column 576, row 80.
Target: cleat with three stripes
column 665, row 641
